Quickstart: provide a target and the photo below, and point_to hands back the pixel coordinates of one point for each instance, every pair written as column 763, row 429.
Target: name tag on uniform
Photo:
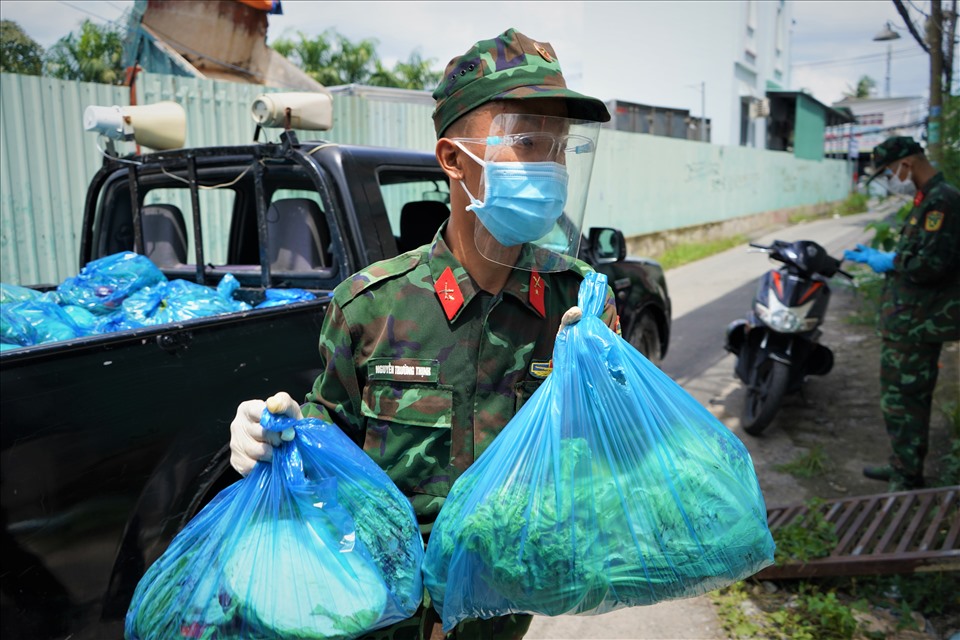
column 403, row 370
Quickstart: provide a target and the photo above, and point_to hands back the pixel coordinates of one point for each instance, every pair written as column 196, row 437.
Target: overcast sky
column 832, row 40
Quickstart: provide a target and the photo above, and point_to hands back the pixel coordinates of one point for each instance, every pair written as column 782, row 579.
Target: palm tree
column 95, row 55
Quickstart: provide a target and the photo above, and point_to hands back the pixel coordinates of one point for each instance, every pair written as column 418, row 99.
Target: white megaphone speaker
column 294, row 110
column 159, row 126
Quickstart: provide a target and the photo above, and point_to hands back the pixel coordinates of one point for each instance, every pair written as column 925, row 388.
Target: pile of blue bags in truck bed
column 117, row 292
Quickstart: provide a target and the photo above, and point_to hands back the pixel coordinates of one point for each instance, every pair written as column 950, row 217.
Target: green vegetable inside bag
column 319, row 544
column 612, row 487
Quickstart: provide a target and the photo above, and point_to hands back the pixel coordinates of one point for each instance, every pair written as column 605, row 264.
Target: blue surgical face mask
column 521, row 201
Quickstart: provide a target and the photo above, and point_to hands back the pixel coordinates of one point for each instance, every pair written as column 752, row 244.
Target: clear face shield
column 533, row 191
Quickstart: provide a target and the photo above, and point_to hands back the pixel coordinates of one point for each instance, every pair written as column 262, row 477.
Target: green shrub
column 806, row 465
column 886, row 234
column 692, row 251
column 806, row 538
column 854, row 203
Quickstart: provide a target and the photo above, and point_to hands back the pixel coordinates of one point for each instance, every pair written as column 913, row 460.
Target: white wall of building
column 659, row 53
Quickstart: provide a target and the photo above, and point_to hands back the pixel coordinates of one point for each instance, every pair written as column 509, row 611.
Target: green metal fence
column 641, row 183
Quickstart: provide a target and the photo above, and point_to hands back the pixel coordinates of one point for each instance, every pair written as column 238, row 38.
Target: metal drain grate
column 886, row 533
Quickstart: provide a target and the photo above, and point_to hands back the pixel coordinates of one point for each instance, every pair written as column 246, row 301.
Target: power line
column 872, row 131
column 864, row 58
column 917, row 9
column 89, row 13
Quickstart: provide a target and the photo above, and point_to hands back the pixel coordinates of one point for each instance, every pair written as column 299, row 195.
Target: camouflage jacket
column 921, row 295
column 423, row 369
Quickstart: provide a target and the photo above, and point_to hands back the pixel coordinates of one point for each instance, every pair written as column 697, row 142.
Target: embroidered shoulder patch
column 541, row 369
column 933, row 221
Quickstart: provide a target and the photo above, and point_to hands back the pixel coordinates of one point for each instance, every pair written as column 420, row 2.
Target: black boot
column 883, row 474
column 905, row 483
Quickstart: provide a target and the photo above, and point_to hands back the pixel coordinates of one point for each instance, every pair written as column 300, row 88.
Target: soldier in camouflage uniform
column 426, row 356
column 920, row 305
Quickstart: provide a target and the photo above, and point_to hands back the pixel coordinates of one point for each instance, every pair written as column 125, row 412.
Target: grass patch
column 797, row 218
column 731, row 613
column 810, row 614
column 853, row 204
column 933, row 593
column 692, row 251
column 808, row 465
column 806, row 538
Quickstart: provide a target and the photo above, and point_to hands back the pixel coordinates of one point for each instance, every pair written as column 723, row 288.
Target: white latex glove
column 571, row 316
column 250, row 442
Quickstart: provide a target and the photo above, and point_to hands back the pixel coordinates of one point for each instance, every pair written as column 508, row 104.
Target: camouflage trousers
column 908, row 376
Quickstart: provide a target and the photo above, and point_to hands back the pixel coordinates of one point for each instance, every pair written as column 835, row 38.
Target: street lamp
column 886, row 35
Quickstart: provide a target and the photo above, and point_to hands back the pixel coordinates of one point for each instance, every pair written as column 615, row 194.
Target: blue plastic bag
column 227, row 286
column 16, row 293
column 86, row 320
column 102, row 285
column 278, row 297
column 317, row 544
column 611, row 487
column 177, row 301
column 36, row 321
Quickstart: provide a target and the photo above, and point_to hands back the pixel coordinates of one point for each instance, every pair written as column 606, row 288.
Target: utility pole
column 935, row 40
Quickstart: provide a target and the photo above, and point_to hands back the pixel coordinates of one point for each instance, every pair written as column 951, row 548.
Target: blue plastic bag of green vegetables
column 318, row 544
column 611, row 487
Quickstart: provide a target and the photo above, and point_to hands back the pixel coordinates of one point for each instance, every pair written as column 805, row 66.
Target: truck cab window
column 416, row 207
column 298, row 237
column 168, row 223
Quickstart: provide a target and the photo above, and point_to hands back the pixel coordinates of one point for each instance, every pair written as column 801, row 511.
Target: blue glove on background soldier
column 879, row 261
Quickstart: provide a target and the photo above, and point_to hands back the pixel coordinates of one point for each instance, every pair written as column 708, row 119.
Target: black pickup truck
column 112, row 443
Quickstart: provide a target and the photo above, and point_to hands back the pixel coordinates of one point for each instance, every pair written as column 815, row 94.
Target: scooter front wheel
column 764, row 396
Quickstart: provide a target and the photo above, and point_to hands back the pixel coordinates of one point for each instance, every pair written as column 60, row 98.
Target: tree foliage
column 95, row 54
column 864, row 89
column 332, row 59
column 950, row 139
column 19, row 53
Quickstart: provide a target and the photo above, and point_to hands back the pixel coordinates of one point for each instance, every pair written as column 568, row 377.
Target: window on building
column 746, row 124
column 870, row 119
column 779, row 33
column 750, row 44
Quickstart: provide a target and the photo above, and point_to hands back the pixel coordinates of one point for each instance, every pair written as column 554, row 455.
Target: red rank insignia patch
column 537, row 286
column 449, row 293
column 917, row 199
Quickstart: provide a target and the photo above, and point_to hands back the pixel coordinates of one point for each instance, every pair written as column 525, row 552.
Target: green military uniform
column 919, row 311
column 423, row 369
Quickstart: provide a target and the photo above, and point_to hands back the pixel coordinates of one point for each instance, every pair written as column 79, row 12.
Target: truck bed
column 137, row 416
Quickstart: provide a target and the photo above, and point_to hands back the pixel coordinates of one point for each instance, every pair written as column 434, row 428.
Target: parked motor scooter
column 777, row 345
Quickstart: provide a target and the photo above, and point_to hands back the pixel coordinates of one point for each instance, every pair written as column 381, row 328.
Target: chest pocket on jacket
column 524, row 390
column 408, row 434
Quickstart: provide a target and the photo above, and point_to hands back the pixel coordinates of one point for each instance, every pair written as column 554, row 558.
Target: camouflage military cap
column 508, row 67
column 890, row 150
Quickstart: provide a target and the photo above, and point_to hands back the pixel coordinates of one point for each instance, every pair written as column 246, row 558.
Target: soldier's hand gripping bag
column 611, row 487
column 317, row 544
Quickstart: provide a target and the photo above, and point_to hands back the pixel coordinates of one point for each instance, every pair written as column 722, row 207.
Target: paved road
column 706, row 296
